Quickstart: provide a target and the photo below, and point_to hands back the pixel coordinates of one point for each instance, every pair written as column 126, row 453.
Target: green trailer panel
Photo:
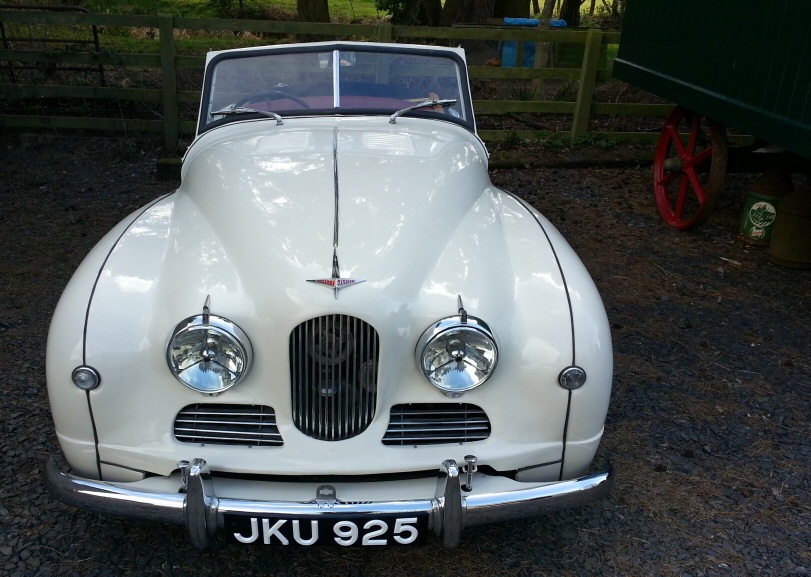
column 745, row 63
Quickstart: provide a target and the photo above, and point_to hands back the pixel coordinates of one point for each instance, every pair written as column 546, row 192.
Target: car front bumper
column 197, row 507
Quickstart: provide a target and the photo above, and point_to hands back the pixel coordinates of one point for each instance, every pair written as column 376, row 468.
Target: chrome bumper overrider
column 449, row 511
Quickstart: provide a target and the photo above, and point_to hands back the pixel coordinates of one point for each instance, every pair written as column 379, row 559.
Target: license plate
column 382, row 530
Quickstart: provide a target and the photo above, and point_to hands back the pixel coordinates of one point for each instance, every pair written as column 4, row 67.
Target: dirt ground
column 708, row 427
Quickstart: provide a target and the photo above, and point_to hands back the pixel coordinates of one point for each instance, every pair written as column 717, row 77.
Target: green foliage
column 590, row 140
column 222, row 7
column 607, row 15
column 340, row 10
column 557, row 142
column 523, row 92
column 512, row 139
column 552, row 141
column 566, row 91
column 403, row 12
column 184, row 8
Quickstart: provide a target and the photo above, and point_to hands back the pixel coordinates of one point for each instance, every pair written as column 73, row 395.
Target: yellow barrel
column 791, row 237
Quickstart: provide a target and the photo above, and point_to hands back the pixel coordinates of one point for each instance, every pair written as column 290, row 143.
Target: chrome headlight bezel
column 464, row 334
column 218, row 353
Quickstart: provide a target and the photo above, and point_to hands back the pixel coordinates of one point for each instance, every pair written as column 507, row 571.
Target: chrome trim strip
column 336, row 270
column 449, row 511
column 336, row 78
column 335, row 273
column 335, row 282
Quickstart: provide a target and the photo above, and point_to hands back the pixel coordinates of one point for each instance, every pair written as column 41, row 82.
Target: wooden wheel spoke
column 688, row 172
column 697, row 186
column 677, row 143
column 696, row 160
column 681, row 198
column 668, row 178
column 695, row 131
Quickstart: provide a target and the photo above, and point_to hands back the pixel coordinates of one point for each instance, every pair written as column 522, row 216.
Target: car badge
column 337, row 284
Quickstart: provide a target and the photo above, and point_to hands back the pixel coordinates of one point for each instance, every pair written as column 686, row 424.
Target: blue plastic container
column 509, row 49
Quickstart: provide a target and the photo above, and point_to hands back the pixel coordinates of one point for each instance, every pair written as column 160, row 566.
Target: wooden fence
column 158, row 80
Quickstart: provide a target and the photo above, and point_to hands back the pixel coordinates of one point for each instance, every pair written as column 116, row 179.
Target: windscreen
column 310, row 82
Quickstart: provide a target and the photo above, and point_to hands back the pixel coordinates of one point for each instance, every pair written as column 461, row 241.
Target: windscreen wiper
column 424, row 104
column 235, row 110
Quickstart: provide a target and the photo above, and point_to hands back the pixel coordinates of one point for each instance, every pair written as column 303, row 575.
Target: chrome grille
column 333, row 375
column 247, row 425
column 436, row 423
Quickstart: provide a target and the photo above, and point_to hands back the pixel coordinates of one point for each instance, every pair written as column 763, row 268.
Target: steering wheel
column 268, row 95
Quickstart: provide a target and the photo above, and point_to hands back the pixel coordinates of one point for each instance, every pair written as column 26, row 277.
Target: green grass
column 135, row 41
column 340, row 10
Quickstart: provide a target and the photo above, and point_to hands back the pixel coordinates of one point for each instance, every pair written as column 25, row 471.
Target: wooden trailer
column 744, row 65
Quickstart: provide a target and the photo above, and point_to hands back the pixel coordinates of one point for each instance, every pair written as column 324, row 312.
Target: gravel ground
column 708, row 426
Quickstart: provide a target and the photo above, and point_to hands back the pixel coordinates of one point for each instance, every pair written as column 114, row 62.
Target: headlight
column 209, row 354
column 457, row 354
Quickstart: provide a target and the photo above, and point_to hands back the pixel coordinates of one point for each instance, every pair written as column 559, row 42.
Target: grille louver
column 436, row 423
column 333, row 374
column 246, row 425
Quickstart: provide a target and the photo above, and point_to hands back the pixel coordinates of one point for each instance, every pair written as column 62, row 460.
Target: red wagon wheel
column 689, row 168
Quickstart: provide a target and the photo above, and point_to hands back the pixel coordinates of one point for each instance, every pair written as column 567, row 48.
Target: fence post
column 171, row 126
column 384, row 32
column 588, row 78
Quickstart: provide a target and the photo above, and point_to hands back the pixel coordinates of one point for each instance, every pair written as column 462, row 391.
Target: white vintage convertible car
column 336, row 331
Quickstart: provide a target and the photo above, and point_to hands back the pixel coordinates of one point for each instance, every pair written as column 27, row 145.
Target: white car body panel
column 253, row 221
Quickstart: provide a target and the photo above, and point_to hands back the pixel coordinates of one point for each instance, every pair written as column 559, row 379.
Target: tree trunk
column 570, row 12
column 546, row 13
column 615, row 7
column 466, row 11
column 431, row 12
column 312, row 10
column 542, row 48
column 511, row 9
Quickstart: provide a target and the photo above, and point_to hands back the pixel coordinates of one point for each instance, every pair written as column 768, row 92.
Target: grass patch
column 340, row 10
